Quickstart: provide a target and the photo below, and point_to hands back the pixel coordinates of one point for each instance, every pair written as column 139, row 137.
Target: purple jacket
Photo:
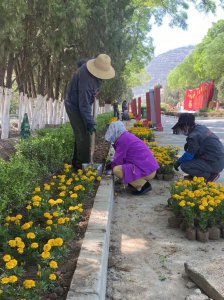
column 135, row 157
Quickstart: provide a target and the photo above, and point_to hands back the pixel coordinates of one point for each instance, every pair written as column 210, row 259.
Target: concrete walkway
column 146, row 256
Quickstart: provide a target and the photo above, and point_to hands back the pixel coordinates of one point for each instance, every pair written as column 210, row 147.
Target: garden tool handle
column 92, row 150
column 93, row 137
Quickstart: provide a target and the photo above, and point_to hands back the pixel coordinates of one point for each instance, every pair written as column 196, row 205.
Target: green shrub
column 36, row 158
column 206, row 109
column 102, row 121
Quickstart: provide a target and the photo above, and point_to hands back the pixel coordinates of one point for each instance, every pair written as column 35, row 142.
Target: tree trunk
column 7, row 100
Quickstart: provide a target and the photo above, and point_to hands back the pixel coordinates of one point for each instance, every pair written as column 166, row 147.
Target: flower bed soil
column 66, row 268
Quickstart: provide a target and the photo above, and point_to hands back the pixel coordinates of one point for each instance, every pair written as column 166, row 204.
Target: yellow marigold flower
column 52, row 202
column 45, row 255
column 210, row 209
column 74, row 195
column 31, row 235
column 61, row 221
column 182, row 203
column 53, row 264
column 29, row 283
column 58, row 242
column 47, row 187
column 39, row 273
column 25, row 226
column 13, row 219
column 36, row 203
column 62, row 194
column 29, row 207
column 48, row 215
column 4, row 280
column 52, row 183
column 37, row 189
column 19, row 217
column 52, row 277
column 71, row 208
column 51, row 242
column 13, row 278
column 18, row 239
column 63, row 188
column 201, row 207
column 34, row 245
column 11, row 264
column 36, row 198
column 54, row 177
column 20, row 250
column 80, row 210
column 48, row 228
column 47, row 247
column 6, row 257
column 98, row 178
column 8, row 218
column 58, row 201
column 55, row 214
column 12, row 243
column 49, row 222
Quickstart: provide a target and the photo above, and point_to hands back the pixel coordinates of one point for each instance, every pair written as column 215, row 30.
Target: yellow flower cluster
column 29, row 283
column 138, row 124
column 199, row 201
column 143, row 133
column 131, row 116
column 56, row 205
column 164, row 155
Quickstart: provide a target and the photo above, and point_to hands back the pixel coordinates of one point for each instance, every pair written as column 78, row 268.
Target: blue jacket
column 202, row 143
column 81, row 92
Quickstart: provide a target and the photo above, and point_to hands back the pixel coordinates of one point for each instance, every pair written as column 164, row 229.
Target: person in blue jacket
column 80, row 95
column 204, row 152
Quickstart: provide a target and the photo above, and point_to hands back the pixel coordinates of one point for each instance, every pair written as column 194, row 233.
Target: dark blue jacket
column 202, row 143
column 81, row 92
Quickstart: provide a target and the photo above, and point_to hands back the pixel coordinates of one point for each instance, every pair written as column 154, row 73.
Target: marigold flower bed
column 142, row 133
column 200, row 204
column 34, row 237
column 165, row 156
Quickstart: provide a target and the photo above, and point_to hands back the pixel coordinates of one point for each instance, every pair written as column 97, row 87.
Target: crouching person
column 204, row 152
column 133, row 162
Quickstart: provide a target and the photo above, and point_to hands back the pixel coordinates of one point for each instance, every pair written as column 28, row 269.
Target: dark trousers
column 81, row 152
column 199, row 168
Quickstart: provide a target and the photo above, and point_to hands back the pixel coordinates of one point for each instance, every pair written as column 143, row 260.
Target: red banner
column 199, row 98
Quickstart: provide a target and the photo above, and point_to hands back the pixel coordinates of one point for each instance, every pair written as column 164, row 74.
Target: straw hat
column 100, row 67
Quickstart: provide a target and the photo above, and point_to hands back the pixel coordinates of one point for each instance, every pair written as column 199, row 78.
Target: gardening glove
column 176, row 165
column 92, row 129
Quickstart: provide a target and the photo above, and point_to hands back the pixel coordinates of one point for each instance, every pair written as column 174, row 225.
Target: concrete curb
column 90, row 277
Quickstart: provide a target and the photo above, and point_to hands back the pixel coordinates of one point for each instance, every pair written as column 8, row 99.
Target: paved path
column 146, row 256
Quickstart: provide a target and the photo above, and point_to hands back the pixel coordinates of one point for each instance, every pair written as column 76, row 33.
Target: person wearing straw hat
column 80, row 96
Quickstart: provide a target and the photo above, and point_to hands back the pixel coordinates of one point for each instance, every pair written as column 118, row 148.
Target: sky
column 166, row 38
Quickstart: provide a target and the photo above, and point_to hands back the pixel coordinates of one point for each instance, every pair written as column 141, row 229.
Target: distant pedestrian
column 116, row 109
column 124, row 105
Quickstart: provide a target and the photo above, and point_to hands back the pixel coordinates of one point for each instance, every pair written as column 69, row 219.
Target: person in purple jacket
column 133, row 161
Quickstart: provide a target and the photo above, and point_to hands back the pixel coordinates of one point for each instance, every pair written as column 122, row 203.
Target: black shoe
column 146, row 188
column 188, row 177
